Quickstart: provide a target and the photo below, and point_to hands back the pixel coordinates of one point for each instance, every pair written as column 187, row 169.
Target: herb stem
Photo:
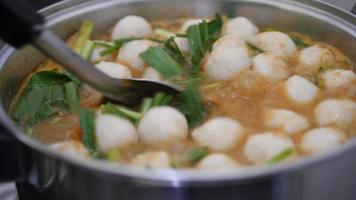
column 166, row 100
column 157, row 99
column 87, row 50
column 71, row 91
column 117, row 45
column 160, row 60
column 104, row 43
column 146, row 105
column 87, row 125
column 83, row 36
column 121, row 112
column 132, row 114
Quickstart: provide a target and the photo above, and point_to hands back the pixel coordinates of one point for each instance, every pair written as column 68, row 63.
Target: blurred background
column 7, row 190
column 344, row 4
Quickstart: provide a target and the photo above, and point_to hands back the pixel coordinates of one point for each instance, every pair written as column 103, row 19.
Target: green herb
column 166, row 100
column 280, row 157
column 195, row 46
column 161, row 99
column 146, row 105
column 113, row 155
column 190, row 104
column 88, row 49
column 173, row 50
column 43, row 97
column 83, row 36
column 160, row 60
column 71, row 90
column 157, row 99
column 117, row 45
column 169, row 61
column 163, row 33
column 120, row 42
column 215, row 27
column 196, row 154
column 201, row 37
column 104, row 43
column 87, row 125
column 121, row 112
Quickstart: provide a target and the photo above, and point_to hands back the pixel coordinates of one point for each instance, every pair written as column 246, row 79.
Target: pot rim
column 179, row 178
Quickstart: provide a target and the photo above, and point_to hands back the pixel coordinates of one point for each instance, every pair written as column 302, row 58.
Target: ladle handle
column 20, row 23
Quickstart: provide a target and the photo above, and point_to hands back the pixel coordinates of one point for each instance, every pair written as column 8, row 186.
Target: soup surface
column 252, row 96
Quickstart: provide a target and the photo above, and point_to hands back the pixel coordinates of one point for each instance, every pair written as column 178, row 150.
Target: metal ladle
column 22, row 25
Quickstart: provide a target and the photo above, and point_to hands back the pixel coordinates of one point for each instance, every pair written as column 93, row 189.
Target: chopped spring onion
column 161, row 99
column 87, row 50
column 173, row 50
column 87, row 125
column 120, row 42
column 104, row 43
column 166, row 100
column 71, row 91
column 196, row 154
column 146, row 105
column 83, row 36
column 121, row 112
column 190, row 104
column 201, row 37
column 215, row 27
column 157, row 99
column 160, row 60
column 195, row 45
column 280, row 157
column 117, row 45
column 163, row 33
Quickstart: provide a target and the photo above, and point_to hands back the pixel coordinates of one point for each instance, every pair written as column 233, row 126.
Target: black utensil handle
column 20, row 23
column 14, row 160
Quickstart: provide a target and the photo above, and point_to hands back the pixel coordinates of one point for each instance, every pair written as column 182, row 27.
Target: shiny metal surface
column 128, row 91
column 329, row 176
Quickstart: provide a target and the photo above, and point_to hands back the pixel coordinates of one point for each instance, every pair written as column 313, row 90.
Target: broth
column 246, row 97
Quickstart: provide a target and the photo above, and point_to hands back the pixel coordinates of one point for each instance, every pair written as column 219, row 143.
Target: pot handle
column 14, row 160
column 20, row 23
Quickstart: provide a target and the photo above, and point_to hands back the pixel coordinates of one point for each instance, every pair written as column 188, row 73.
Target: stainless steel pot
column 43, row 174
